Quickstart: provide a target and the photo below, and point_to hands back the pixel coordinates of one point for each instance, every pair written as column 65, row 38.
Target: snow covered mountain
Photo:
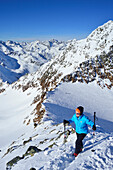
column 32, row 109
column 17, row 59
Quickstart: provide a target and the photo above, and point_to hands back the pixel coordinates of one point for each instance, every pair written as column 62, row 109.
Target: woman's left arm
column 89, row 122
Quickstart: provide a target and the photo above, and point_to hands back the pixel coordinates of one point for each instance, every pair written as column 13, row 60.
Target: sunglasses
column 78, row 113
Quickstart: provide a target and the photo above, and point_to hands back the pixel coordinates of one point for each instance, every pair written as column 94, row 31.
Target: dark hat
column 81, row 109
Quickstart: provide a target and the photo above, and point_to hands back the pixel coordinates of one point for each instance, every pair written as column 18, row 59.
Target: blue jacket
column 81, row 123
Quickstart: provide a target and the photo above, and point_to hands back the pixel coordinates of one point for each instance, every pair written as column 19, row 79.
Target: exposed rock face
column 31, row 151
column 99, row 68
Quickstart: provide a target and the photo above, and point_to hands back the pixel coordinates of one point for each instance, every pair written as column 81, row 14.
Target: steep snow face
column 28, row 57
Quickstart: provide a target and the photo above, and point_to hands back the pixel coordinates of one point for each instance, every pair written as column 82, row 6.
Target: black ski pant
column 79, row 144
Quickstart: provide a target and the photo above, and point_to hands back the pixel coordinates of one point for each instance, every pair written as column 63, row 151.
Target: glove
column 94, row 127
column 65, row 121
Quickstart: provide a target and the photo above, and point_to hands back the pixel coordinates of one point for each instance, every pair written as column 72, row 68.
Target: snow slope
column 60, row 104
column 26, row 122
column 14, row 107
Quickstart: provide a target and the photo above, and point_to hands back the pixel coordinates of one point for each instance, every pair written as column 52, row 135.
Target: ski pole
column 65, row 137
column 94, row 117
column 94, row 131
column 64, row 133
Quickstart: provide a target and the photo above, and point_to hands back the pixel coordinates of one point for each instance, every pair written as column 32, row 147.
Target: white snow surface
column 16, row 107
column 60, row 104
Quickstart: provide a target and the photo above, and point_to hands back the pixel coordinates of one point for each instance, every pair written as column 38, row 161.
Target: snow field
column 60, row 104
column 61, row 156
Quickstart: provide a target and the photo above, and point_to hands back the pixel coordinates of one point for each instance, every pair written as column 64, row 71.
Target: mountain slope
column 75, row 53
column 33, row 121
column 48, row 136
column 17, row 59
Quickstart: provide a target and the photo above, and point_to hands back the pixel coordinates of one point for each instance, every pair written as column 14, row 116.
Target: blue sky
column 26, row 20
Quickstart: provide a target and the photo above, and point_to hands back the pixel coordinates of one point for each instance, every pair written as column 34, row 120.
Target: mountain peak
column 109, row 22
column 105, row 29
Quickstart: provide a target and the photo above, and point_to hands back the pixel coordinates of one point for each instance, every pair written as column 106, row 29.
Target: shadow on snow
column 58, row 113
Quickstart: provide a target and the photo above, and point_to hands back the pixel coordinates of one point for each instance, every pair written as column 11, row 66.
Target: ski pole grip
column 94, row 117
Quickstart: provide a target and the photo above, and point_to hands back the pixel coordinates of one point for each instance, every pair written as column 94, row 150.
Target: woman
column 81, row 122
